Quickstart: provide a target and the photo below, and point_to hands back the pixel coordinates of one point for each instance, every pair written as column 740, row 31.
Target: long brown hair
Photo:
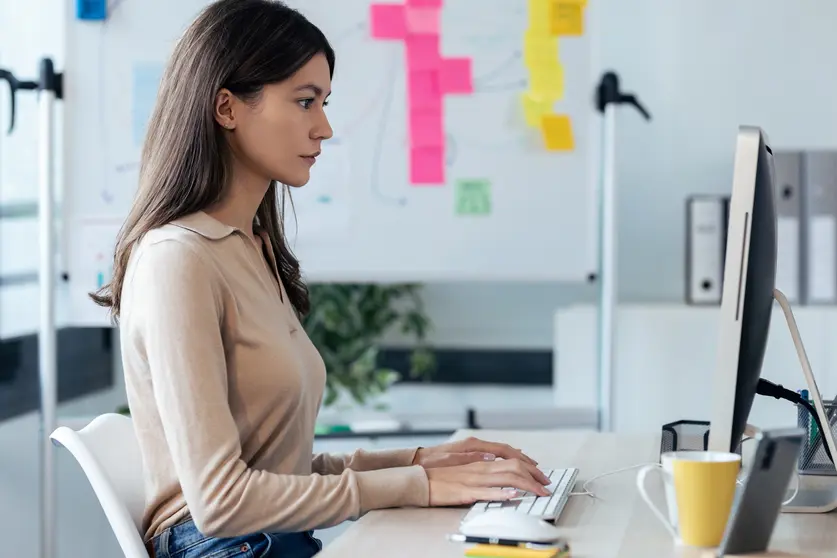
column 241, row 45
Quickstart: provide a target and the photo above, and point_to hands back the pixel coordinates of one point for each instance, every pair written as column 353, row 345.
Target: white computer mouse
column 510, row 524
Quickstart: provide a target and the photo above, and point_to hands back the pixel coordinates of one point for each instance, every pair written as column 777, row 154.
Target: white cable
column 624, row 469
column 739, row 481
column 743, row 479
column 795, row 490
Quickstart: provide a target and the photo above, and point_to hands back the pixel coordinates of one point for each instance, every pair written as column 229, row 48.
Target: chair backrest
column 108, row 453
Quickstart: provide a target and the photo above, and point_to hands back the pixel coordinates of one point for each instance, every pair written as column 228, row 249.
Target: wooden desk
column 617, row 524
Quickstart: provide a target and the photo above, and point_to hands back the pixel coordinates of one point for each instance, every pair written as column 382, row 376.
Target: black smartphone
column 759, row 501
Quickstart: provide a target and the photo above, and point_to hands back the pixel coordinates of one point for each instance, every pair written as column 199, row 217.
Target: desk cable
column 769, row 389
column 740, row 481
column 586, row 491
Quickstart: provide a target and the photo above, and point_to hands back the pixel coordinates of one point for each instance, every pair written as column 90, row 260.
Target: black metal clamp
column 48, row 80
column 608, row 93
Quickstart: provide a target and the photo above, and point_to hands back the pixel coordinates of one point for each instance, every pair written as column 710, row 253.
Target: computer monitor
column 747, row 295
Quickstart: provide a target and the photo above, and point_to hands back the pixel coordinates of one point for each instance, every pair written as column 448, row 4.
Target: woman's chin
column 296, row 180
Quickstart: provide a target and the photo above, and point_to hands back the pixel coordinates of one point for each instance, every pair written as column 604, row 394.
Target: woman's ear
column 224, row 109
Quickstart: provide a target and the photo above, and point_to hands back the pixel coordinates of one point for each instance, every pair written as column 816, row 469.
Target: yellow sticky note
column 534, row 108
column 540, row 15
column 548, row 81
column 494, row 550
column 557, row 132
column 566, row 18
column 539, row 49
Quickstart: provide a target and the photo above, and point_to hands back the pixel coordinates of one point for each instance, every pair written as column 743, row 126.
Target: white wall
column 703, row 68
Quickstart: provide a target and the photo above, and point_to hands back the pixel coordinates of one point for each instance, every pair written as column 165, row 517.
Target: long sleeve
column 362, row 460
column 181, row 301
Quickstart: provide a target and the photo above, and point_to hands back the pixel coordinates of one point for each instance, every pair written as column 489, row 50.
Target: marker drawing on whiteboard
column 379, row 141
column 501, row 87
column 451, row 153
column 500, row 69
column 362, row 116
column 349, row 32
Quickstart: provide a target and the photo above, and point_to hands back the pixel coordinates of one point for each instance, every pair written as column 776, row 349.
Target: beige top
column 224, row 388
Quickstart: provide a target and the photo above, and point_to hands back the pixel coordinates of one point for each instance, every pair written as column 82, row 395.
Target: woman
column 223, row 384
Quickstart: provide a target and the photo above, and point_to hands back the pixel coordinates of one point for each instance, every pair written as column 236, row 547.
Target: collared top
column 224, row 387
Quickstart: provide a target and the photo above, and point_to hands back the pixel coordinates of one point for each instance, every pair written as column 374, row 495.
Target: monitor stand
column 810, row 499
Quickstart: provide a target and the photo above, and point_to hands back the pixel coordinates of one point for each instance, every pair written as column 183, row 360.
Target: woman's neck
column 239, row 206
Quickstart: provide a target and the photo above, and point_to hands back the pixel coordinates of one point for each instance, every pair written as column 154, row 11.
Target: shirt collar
column 205, row 225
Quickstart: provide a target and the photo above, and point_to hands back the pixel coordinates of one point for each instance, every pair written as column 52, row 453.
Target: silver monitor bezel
column 724, row 382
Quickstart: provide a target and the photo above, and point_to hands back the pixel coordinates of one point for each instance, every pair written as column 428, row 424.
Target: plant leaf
column 347, row 322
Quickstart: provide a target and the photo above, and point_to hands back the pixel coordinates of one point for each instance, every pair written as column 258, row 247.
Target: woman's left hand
column 469, row 450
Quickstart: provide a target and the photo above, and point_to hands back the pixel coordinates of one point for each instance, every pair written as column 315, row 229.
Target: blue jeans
column 185, row 541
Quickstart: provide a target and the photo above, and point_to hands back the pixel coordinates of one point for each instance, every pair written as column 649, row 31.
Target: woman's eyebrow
column 318, row 91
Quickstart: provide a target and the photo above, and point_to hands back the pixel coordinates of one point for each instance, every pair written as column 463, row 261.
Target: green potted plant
column 347, row 323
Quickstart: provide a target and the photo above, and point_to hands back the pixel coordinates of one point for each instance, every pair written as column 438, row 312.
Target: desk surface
column 618, row 523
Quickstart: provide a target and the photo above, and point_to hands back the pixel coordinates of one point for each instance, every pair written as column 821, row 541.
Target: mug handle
column 640, row 484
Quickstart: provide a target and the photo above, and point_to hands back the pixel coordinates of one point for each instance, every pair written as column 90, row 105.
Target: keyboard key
column 539, row 507
column 552, row 508
column 562, row 482
column 555, row 482
column 526, row 504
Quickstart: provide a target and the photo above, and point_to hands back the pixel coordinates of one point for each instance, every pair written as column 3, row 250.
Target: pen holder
column 685, row 435
column 812, row 457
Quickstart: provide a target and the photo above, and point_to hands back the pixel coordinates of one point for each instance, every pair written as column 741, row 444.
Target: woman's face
column 279, row 136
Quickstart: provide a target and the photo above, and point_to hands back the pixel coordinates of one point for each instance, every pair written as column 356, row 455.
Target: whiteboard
column 505, row 209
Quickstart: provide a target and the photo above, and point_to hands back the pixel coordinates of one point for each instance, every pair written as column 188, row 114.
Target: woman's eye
column 306, row 103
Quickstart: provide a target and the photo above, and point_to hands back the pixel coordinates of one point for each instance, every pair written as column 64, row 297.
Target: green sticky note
column 473, row 197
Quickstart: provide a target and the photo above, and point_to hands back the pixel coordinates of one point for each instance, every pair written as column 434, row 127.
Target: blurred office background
column 508, row 354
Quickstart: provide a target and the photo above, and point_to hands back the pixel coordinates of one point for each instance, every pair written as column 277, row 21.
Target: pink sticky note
column 424, row 91
column 423, row 52
column 456, row 76
column 427, row 165
column 425, row 3
column 426, row 128
column 422, row 21
column 388, row 21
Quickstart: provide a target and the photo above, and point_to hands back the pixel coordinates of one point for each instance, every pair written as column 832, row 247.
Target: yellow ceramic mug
column 704, row 484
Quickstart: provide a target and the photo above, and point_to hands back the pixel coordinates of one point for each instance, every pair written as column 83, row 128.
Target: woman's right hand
column 486, row 481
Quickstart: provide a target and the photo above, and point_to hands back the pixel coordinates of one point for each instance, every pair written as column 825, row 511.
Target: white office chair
column 108, row 452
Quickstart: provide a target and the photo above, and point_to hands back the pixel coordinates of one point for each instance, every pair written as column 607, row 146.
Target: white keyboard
column 549, row 508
